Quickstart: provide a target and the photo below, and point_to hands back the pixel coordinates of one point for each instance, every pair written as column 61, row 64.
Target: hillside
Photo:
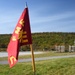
column 42, row 41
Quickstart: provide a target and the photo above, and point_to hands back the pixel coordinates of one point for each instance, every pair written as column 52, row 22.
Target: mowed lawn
column 63, row 66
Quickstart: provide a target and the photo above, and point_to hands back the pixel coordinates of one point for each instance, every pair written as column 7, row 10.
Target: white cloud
column 36, row 19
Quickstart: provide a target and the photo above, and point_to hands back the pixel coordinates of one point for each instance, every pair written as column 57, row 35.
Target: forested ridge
column 42, row 41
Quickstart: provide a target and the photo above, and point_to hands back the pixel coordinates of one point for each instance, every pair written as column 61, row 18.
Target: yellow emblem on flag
column 20, row 35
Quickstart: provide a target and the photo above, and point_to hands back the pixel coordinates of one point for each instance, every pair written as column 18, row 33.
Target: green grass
column 64, row 66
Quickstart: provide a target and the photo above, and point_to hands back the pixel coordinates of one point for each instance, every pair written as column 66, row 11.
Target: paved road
column 39, row 59
column 5, row 54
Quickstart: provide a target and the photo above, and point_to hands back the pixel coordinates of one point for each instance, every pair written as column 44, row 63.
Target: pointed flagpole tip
column 26, row 5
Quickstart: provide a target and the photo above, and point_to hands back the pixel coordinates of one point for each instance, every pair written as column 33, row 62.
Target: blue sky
column 45, row 15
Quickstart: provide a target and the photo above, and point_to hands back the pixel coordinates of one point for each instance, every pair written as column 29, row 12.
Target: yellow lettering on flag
column 12, row 59
column 17, row 30
column 14, row 38
column 21, row 22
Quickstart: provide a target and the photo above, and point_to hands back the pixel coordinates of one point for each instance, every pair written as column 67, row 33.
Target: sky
column 45, row 15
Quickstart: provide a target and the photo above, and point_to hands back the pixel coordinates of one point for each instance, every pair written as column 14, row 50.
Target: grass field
column 64, row 66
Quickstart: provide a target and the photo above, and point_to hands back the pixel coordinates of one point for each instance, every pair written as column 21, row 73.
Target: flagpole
column 33, row 61
column 32, row 53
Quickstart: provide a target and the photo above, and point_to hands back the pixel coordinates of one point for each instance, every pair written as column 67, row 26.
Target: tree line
column 42, row 41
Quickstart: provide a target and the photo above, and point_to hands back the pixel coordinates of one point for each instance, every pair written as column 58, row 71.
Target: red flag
column 21, row 36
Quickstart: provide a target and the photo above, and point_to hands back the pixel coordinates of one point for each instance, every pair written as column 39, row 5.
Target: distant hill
column 42, row 41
